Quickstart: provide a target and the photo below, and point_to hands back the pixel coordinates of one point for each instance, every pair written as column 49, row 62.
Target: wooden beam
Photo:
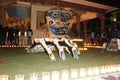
column 57, row 3
column 67, row 4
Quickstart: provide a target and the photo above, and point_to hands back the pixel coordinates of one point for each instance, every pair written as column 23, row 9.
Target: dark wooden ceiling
column 113, row 3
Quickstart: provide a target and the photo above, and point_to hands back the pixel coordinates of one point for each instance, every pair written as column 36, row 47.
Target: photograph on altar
column 40, row 20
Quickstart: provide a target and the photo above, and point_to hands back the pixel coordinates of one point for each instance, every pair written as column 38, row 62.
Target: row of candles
column 25, row 45
column 20, row 46
column 94, row 45
column 15, row 46
column 69, row 74
column 29, row 45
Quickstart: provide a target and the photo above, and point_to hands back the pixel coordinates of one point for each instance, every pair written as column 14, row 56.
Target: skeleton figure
column 68, row 46
column 59, row 23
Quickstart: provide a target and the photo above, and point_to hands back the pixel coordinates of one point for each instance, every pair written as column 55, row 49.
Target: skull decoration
column 59, row 22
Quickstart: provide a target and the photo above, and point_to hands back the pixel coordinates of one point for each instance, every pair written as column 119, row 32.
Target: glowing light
column 98, row 46
column 33, row 76
column 14, row 45
column 113, row 68
column 82, row 72
column 65, row 75
column 77, row 39
column 89, row 71
column 83, row 49
column 45, row 75
column 118, row 67
column 85, row 44
column 96, row 70
column 107, row 68
column 55, row 75
column 7, row 45
column 3, row 45
column 25, row 33
column 102, row 69
column 74, row 73
column 4, row 77
column 19, row 33
column 114, row 19
column 19, row 77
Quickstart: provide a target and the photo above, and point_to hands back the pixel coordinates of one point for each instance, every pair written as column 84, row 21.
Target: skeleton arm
column 61, row 48
column 74, row 47
column 42, row 41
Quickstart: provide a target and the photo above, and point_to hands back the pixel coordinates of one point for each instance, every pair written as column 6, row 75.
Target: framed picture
column 40, row 19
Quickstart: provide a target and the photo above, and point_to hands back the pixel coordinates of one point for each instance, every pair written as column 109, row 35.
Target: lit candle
column 74, row 73
column 19, row 77
column 19, row 33
column 55, row 75
column 102, row 70
column 107, row 68
column 4, row 77
column 119, row 67
column 82, row 72
column 96, row 70
column 45, row 75
column 89, row 71
column 33, row 76
column 113, row 68
column 65, row 75
column 25, row 34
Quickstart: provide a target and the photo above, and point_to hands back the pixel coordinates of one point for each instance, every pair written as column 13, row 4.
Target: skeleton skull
column 59, row 22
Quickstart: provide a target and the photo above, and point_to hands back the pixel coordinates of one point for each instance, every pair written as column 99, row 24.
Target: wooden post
column 102, row 19
column 2, row 15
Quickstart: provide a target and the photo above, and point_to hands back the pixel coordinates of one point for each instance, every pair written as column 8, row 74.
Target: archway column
column 78, row 24
column 102, row 24
column 2, row 15
column 85, row 29
column 102, row 19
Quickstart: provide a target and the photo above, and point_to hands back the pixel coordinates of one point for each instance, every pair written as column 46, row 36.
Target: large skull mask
column 59, row 21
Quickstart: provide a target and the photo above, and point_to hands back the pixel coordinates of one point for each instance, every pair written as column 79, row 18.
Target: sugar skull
column 59, row 22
